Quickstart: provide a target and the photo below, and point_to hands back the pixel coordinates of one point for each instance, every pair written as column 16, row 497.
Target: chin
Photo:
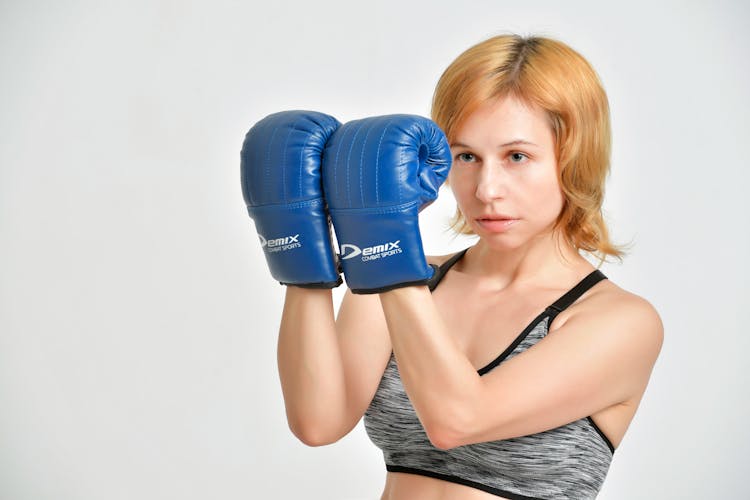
column 501, row 244
column 509, row 240
column 499, row 241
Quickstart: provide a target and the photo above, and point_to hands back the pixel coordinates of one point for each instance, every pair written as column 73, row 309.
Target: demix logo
column 279, row 244
column 374, row 252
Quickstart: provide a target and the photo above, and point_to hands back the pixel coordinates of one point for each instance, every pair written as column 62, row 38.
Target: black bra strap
column 440, row 271
column 574, row 293
column 558, row 306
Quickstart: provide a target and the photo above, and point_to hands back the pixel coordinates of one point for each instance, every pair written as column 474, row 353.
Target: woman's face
column 504, row 173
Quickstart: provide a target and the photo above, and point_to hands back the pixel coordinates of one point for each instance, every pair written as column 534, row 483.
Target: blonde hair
column 553, row 76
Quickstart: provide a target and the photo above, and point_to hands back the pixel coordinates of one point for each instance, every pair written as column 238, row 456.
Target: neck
column 548, row 258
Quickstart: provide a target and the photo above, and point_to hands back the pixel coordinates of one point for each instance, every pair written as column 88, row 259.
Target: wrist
column 405, row 293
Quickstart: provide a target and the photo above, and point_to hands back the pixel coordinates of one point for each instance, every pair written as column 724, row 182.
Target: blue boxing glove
column 282, row 187
column 378, row 174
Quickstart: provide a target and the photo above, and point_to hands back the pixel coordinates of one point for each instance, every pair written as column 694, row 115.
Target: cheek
column 555, row 197
column 459, row 185
column 551, row 187
column 547, row 192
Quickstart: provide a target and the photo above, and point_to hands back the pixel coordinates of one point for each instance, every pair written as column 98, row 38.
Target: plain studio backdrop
column 138, row 320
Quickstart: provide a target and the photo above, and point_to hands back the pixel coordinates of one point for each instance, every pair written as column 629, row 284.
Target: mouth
column 496, row 223
column 496, row 217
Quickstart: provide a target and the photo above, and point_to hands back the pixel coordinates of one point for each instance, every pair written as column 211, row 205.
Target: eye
column 518, row 157
column 466, row 157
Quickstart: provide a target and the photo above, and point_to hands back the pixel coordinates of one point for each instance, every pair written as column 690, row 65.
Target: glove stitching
column 336, row 165
column 296, row 204
column 401, row 179
column 376, row 210
column 377, row 166
column 362, row 170
column 283, row 163
column 268, row 160
column 348, row 163
column 310, row 137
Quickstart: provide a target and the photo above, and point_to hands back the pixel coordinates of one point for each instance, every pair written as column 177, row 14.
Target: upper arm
column 598, row 358
column 365, row 349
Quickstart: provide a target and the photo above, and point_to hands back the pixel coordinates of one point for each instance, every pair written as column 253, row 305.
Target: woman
column 518, row 374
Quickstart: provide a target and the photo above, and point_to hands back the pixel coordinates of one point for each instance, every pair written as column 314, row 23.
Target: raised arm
column 327, row 374
column 602, row 355
column 329, row 370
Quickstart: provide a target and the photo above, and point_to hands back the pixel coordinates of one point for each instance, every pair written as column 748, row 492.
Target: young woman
column 515, row 371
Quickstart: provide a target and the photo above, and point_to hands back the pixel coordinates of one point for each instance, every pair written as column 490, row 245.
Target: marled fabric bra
column 568, row 462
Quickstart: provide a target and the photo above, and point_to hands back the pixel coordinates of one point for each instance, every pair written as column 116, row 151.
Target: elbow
column 450, row 422
column 311, row 434
column 313, row 439
column 448, row 433
column 442, row 440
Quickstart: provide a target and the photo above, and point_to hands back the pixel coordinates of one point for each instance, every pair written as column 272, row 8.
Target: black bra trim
column 492, row 364
column 550, row 312
column 458, row 480
column 440, row 271
column 575, row 293
column 601, row 433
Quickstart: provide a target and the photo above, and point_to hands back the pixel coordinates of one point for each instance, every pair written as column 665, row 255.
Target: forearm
column 441, row 382
column 310, row 365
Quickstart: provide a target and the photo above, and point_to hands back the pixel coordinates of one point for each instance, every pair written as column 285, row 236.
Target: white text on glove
column 280, row 244
column 370, row 253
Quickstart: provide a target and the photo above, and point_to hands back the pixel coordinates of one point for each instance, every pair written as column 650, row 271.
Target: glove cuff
column 323, row 285
column 296, row 240
column 381, row 249
column 423, row 282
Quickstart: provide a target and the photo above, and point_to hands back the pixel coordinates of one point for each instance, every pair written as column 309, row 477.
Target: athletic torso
column 490, row 326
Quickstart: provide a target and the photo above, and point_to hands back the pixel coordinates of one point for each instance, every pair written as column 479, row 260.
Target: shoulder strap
column 440, row 271
column 574, row 293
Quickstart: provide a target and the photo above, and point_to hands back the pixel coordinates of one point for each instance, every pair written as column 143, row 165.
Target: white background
column 137, row 317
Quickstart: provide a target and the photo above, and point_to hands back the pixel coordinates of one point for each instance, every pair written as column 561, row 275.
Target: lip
column 496, row 223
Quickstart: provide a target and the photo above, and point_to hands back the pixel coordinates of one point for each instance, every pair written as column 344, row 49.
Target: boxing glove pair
column 370, row 178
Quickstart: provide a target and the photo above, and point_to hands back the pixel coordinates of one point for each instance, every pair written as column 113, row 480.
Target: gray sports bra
column 568, row 462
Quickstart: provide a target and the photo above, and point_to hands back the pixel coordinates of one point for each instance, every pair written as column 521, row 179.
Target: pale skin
column 595, row 361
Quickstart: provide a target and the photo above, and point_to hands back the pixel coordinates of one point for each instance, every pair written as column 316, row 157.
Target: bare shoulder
column 622, row 317
column 622, row 305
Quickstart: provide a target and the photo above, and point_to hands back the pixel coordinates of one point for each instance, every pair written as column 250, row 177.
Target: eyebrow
column 515, row 142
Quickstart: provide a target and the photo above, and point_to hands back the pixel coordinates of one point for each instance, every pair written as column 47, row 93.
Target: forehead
column 506, row 119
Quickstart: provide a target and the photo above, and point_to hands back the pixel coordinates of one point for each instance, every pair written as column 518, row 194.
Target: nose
column 491, row 183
